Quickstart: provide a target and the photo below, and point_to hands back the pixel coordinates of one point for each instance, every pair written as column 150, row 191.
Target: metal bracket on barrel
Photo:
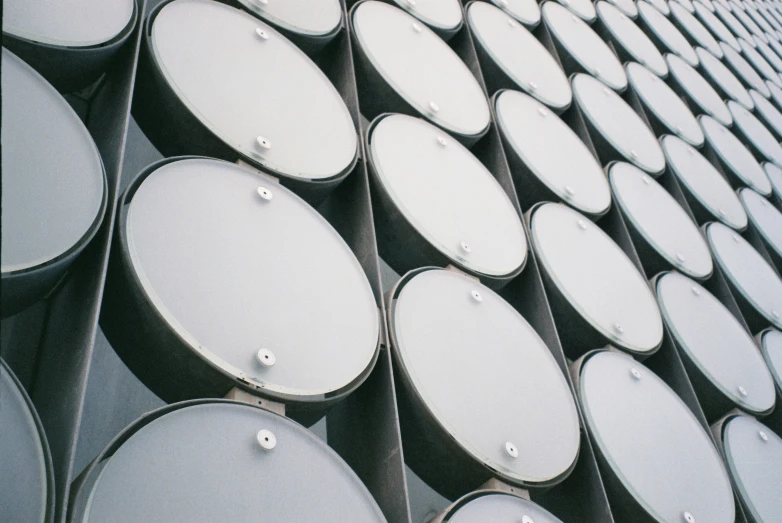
column 242, row 396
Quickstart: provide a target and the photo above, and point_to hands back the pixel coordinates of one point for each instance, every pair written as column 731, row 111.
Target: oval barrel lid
column 627, row 7
column 525, row 11
column 221, row 461
column 667, row 32
column 496, row 507
column 761, row 64
column 698, row 89
column 734, row 154
column 748, row 271
column 758, row 134
column 53, row 200
column 738, row 11
column 462, row 346
column 688, row 5
column 234, row 263
column 722, row 77
column 766, row 110
column 716, row 343
column 440, row 14
column 631, row 38
column 663, row 102
column 584, row 45
column 421, row 68
column 769, row 55
column 774, row 174
column 772, row 352
column 535, row 70
column 25, row 464
column 652, row 442
column 714, row 24
column 618, row 123
column 765, row 217
column 661, row 6
column 304, row 17
column 583, row 8
column 744, row 70
column 754, row 456
column 704, row 182
column 695, row 30
column 596, row 277
column 447, row 195
column 536, row 134
column 282, row 113
column 79, row 23
column 730, row 20
column 660, row 220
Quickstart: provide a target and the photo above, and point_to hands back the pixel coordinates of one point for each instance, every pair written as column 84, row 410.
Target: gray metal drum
column 723, row 79
column 766, row 218
column 694, row 30
column 771, row 345
column 494, row 506
column 525, row 11
column 308, row 22
column 664, row 33
column 629, row 40
column 697, row 90
column 444, row 17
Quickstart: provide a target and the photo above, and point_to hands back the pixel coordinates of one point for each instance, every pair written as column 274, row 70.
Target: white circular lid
column 53, row 184
column 584, row 45
column 463, row 347
column 525, row 11
column 703, row 180
column 77, row 23
column 421, row 68
column 760, row 63
column 215, row 247
column 660, row 220
column 618, row 123
column 535, row 70
column 668, row 34
column 661, row 6
column 441, row 14
column 765, row 217
column 501, row 508
column 774, row 174
column 748, row 271
column 731, row 21
column 766, row 110
column 734, row 154
column 631, row 38
column 716, row 343
column 695, row 30
column 627, row 7
column 664, row 103
column 689, row 6
column 447, row 195
column 714, row 24
column 755, row 463
column 653, row 442
column 205, row 462
column 754, row 130
column 284, row 99
column 744, row 71
column 306, row 17
column 536, row 135
column 699, row 89
column 723, row 77
column 596, row 277
column 583, row 8
column 772, row 352
column 769, row 55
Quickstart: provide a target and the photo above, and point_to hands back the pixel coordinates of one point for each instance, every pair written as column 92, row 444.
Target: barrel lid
column 498, row 508
column 744, row 70
column 631, row 38
column 719, row 74
column 715, row 342
column 305, row 17
column 695, row 29
column 664, row 29
column 774, row 174
column 463, row 347
column 535, row 135
column 583, row 8
column 654, row 444
column 730, row 20
column 769, row 55
column 525, row 11
column 771, row 345
column 765, row 217
column 718, row 29
column 760, row 63
column 440, row 14
column 758, row 134
column 698, row 89
column 596, row 277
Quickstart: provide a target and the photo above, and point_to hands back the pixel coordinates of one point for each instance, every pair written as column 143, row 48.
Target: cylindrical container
column 657, row 461
column 760, row 63
column 662, row 6
column 687, row 4
column 771, row 346
column 459, row 348
column 723, row 79
column 664, row 34
column 597, row 294
column 774, row 174
column 627, row 7
column 617, row 131
column 768, row 114
column 730, row 20
column 769, row 55
column 756, row 286
column 525, row 11
column 407, row 68
column 584, row 9
column 744, row 71
column 221, row 278
column 722, row 361
column 755, row 135
column 696, row 90
column 54, row 187
column 766, row 221
column 443, row 17
column 71, row 44
column 436, row 204
column 532, row 136
column 717, row 28
column 495, row 506
column 218, row 460
column 693, row 30
column 663, row 233
column 498, row 39
column 25, row 461
column 630, row 42
column 776, row 94
column 580, row 48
